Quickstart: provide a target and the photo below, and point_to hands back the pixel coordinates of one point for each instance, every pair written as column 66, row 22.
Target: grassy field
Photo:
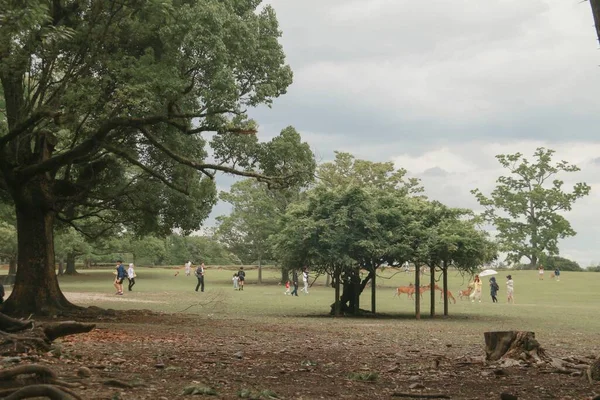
column 278, row 333
column 564, row 308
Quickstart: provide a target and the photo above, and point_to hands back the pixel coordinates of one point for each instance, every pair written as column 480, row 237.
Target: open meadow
column 242, row 343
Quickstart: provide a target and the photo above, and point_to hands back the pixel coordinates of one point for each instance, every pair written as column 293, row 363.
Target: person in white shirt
column 305, row 280
column 131, row 276
column 510, row 289
column 188, row 268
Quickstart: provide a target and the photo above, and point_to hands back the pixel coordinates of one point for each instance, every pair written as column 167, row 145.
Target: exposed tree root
column 34, row 380
column 55, row 330
column 8, row 324
column 50, row 391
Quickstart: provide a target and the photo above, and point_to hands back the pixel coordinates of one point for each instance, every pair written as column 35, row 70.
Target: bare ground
column 159, row 355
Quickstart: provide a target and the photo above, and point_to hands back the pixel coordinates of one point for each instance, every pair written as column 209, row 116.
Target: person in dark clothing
column 200, row 275
column 241, row 278
column 121, row 275
column 494, row 289
column 295, row 283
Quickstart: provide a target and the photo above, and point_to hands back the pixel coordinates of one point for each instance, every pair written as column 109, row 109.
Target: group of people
column 556, row 273
column 476, row 289
column 238, row 278
column 120, row 274
column 295, row 283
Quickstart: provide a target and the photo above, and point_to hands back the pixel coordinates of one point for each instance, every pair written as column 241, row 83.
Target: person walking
column 131, row 276
column 235, row 281
column 188, row 268
column 557, row 273
column 200, row 275
column 295, row 283
column 241, row 278
column 121, row 275
column 287, row 288
column 510, row 289
column 476, row 289
column 305, row 280
column 494, row 289
column 541, row 272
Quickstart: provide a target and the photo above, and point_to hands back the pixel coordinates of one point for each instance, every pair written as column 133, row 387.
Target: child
column 476, row 289
column 287, row 287
column 235, row 280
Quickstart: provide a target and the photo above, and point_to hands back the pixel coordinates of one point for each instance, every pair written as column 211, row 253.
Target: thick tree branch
column 26, row 125
column 150, row 171
column 203, row 167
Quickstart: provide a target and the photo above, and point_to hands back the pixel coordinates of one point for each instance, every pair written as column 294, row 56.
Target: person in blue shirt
column 121, row 275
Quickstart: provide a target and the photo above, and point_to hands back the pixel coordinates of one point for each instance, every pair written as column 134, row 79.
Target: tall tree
column 106, row 103
column 256, row 208
column 345, row 170
column 70, row 245
column 527, row 206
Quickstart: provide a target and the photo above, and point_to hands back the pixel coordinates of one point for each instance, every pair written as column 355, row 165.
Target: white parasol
column 487, row 272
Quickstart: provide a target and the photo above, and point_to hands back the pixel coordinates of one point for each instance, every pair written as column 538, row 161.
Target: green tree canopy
column 106, row 103
column 527, row 207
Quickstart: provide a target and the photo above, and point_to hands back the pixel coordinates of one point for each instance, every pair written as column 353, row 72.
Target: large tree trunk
column 285, row 275
column 327, row 280
column 336, row 279
column 71, row 265
column 445, row 286
column 36, row 289
column 533, row 262
column 417, row 292
column 432, row 292
column 373, row 293
column 259, row 270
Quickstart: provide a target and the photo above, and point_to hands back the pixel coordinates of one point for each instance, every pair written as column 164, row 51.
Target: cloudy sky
column 440, row 87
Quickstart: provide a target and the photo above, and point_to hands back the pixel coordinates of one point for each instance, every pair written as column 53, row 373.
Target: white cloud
column 440, row 87
column 473, row 165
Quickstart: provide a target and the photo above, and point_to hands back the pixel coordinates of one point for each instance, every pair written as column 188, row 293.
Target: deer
column 465, row 293
column 449, row 293
column 410, row 290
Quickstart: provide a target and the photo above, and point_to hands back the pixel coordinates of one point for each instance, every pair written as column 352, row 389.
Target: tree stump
column 516, row 345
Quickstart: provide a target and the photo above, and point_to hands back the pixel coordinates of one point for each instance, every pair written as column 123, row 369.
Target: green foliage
column 70, row 242
column 8, row 240
column 564, row 264
column 345, row 171
column 527, row 206
column 109, row 105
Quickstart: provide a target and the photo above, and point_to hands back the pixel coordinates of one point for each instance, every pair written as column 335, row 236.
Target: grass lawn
column 552, row 309
column 260, row 339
